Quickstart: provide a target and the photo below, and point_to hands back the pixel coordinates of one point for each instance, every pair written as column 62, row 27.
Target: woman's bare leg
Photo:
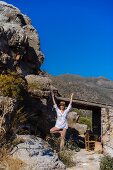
column 54, row 130
column 63, row 134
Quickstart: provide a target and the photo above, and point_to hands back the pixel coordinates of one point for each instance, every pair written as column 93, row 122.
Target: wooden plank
column 83, row 102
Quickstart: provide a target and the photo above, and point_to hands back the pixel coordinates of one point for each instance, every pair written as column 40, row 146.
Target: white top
column 61, row 121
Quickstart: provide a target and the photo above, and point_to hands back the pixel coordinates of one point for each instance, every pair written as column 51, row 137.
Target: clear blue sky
column 76, row 35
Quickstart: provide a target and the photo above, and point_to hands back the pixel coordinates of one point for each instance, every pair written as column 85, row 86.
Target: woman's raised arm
column 70, row 104
column 71, row 99
column 53, row 98
column 54, row 102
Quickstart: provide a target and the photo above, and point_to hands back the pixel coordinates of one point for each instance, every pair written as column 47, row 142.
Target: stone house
column 102, row 121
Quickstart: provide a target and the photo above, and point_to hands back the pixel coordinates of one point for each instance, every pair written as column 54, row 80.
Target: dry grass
column 10, row 163
column 66, row 157
column 17, row 141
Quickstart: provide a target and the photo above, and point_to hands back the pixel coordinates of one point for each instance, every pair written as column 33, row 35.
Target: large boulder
column 39, row 86
column 36, row 154
column 81, row 128
column 73, row 119
column 19, row 42
column 40, row 103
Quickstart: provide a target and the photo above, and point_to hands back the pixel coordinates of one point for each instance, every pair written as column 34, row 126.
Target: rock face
column 38, row 85
column 19, row 42
column 107, row 130
column 20, row 52
column 36, row 154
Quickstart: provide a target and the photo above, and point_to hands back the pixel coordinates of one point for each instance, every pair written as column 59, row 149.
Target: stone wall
column 107, row 130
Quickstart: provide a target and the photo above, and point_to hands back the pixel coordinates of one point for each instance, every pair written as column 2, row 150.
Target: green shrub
column 12, row 85
column 34, row 86
column 86, row 121
column 78, row 111
column 106, row 163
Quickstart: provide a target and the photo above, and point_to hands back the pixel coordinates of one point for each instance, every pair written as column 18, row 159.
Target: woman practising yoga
column 61, row 125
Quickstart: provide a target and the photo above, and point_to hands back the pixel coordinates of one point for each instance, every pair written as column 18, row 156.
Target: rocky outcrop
column 38, row 85
column 20, row 52
column 37, row 154
column 19, row 42
column 28, row 112
column 81, row 128
column 73, row 118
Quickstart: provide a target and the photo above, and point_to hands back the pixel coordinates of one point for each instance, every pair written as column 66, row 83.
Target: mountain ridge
column 92, row 89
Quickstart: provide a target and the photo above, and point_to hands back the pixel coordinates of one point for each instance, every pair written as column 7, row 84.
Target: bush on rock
column 12, row 85
column 106, row 163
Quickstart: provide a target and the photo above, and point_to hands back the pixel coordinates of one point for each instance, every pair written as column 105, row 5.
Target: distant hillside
column 90, row 89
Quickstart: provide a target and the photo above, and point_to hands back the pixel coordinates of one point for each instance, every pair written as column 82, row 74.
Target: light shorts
column 62, row 127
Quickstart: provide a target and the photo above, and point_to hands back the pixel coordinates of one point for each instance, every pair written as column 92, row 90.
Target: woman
column 61, row 125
